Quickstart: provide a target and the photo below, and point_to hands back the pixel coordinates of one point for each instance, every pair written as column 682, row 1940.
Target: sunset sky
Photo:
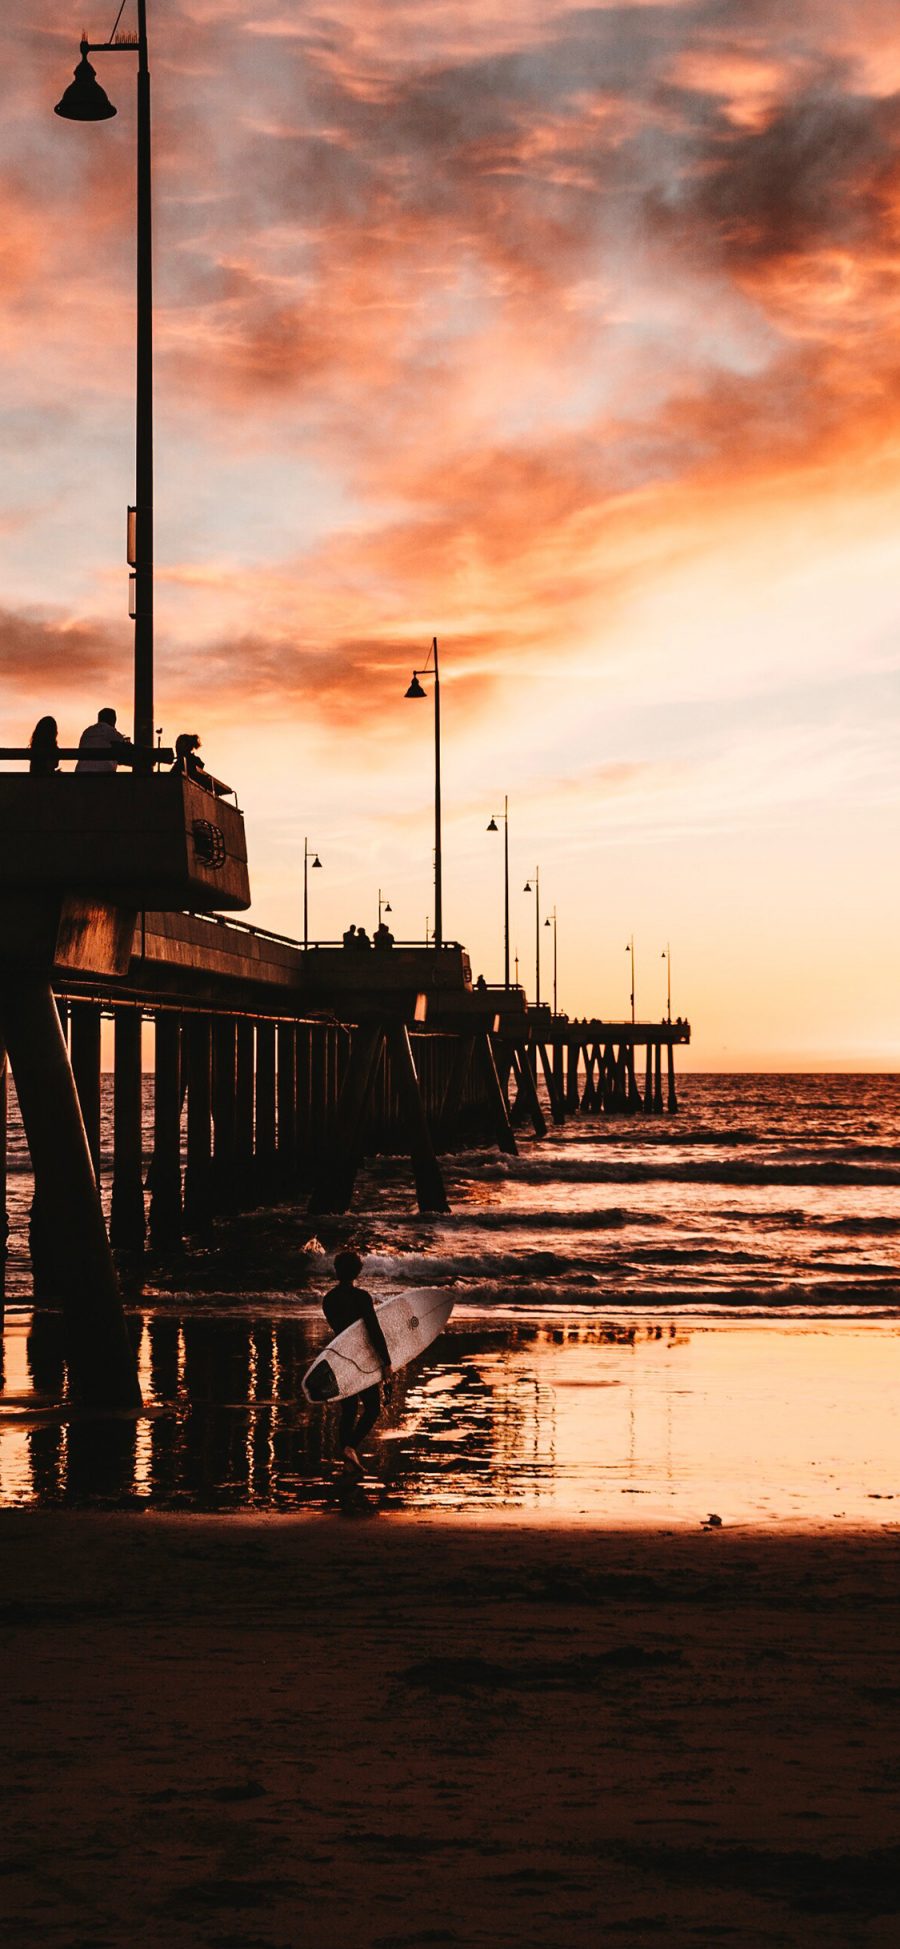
column 569, row 334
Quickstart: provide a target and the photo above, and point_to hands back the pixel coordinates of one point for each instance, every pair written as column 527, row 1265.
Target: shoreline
column 272, row 1731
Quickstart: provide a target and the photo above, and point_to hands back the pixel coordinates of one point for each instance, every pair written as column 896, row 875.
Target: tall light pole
column 307, row 862
column 551, row 922
column 629, row 949
column 384, row 906
column 536, row 877
column 430, row 669
column 493, row 827
column 666, row 956
column 85, row 101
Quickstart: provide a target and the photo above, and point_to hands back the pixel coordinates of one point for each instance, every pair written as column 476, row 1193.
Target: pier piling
column 127, row 1224
column 166, row 1216
column 198, row 1199
column 101, row 1360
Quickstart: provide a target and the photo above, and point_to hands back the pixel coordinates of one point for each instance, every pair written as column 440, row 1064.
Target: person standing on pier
column 343, row 1306
column 44, row 759
column 98, row 743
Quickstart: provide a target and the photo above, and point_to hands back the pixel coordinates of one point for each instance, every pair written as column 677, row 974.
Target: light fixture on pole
column 666, row 956
column 431, row 669
column 493, row 827
column 536, row 876
column 551, row 922
column 629, row 949
column 85, row 101
column 384, row 906
column 307, row 863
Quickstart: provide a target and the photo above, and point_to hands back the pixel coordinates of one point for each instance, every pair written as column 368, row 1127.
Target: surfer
column 343, row 1306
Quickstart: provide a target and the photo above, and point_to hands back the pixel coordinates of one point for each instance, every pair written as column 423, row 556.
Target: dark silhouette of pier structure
column 278, row 1069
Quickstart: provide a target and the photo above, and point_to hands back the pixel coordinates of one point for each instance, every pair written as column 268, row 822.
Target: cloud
column 49, row 658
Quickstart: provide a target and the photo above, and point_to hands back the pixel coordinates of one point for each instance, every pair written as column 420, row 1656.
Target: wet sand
column 392, row 1733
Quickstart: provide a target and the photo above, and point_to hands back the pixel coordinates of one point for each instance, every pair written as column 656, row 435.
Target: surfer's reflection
column 343, row 1306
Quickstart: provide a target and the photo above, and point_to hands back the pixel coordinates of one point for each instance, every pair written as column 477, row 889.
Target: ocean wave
column 574, row 1170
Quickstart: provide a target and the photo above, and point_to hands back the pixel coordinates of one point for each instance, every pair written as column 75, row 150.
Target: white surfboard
column 349, row 1363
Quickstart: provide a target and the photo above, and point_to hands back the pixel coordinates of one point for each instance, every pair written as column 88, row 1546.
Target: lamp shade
column 317, row 861
column 84, row 99
column 493, row 826
column 415, row 689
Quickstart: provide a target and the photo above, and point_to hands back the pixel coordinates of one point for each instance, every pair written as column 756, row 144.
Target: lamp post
column 493, row 827
column 629, row 949
column 666, row 956
column 430, row 669
column 551, row 922
column 536, row 876
column 384, row 906
column 85, row 101
column 307, row 862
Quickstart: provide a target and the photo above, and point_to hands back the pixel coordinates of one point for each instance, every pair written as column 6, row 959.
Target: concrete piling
column 166, row 1213
column 127, row 1224
column 100, row 1357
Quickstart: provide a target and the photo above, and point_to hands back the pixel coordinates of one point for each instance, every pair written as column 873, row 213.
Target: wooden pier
column 277, row 1069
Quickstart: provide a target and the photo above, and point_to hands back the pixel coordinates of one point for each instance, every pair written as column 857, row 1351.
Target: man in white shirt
column 100, row 738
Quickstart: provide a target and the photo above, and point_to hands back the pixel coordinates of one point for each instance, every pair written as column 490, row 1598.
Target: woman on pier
column 343, row 1306
column 44, row 748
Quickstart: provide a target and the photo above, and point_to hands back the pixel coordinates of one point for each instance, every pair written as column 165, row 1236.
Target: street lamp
column 551, row 922
column 384, row 906
column 537, row 932
column 307, row 863
column 629, row 949
column 430, row 669
column 85, row 101
column 666, row 956
column 493, row 827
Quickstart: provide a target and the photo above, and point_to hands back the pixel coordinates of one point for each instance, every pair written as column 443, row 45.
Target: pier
column 278, row 1069
column 292, row 1066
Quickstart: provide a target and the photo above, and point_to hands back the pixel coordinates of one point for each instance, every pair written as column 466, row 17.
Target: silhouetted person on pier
column 343, row 1306
column 349, row 937
column 44, row 748
column 188, row 760
column 383, row 936
column 98, row 743
column 362, row 938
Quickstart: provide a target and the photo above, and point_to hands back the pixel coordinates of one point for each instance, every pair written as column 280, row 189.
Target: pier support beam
column 102, row 1366
column 264, row 1169
column 657, row 1079
column 4, row 1165
column 557, row 1110
column 528, row 1090
column 166, row 1221
column 85, row 1043
column 340, row 1156
column 503, row 1131
column 127, row 1223
column 573, row 1096
column 430, row 1190
column 458, row 1076
column 198, row 1174
column 287, row 1105
column 243, row 1112
column 673, row 1094
column 224, row 1087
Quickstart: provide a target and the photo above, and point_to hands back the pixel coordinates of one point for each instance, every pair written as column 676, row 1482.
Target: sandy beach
column 238, row 1732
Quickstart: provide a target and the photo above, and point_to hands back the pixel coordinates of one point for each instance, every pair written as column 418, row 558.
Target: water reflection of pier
column 227, row 1427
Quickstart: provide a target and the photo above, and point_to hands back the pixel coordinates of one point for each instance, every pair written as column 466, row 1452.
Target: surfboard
column 409, row 1322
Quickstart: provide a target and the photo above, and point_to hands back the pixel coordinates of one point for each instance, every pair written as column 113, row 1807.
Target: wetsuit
column 359, row 1413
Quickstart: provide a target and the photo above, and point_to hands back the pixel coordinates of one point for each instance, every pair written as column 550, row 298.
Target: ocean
column 655, row 1321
